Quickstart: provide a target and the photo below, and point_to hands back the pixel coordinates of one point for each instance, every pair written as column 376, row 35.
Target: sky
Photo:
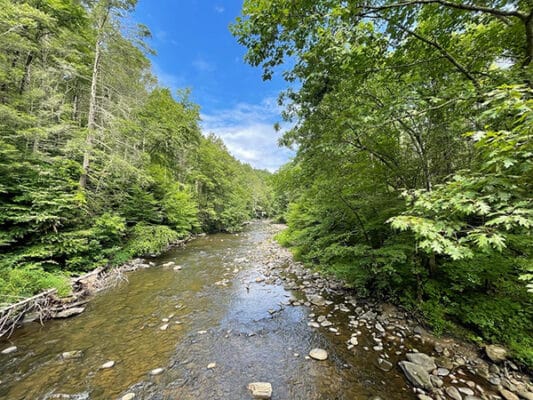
column 196, row 50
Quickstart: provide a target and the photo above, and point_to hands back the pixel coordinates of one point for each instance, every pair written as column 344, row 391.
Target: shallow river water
column 217, row 313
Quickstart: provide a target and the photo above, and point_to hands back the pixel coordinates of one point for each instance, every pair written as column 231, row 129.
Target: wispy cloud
column 248, row 132
column 203, row 65
column 166, row 79
column 161, row 35
column 219, row 9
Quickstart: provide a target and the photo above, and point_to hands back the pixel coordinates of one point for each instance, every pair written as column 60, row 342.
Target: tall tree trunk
column 91, row 120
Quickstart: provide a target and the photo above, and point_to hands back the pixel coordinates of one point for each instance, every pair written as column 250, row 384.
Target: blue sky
column 196, row 50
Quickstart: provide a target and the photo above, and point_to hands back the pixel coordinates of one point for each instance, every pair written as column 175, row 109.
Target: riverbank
column 49, row 305
column 436, row 367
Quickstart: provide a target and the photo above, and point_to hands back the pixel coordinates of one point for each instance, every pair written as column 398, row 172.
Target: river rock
column 69, row 355
column 466, row 391
column 318, row 354
column 317, row 300
column 163, row 327
column 9, row 350
column 107, row 365
column 453, row 393
column 384, row 365
column 260, row 390
column 69, row 312
column 436, row 381
column 424, row 397
column 157, row 371
column 169, row 264
column 369, row 316
column 508, row 395
column 496, row 353
column 416, row 374
column 211, row 365
column 425, row 361
column 128, row 396
column 525, row 395
column 177, row 268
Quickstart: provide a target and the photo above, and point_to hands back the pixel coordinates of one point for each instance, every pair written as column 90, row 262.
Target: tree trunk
column 91, row 120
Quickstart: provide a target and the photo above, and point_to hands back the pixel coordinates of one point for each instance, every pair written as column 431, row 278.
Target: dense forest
column 99, row 163
column 413, row 126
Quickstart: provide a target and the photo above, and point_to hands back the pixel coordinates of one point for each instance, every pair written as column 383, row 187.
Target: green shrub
column 150, row 239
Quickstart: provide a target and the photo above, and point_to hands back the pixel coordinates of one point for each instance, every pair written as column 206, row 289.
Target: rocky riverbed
column 435, row 368
column 233, row 317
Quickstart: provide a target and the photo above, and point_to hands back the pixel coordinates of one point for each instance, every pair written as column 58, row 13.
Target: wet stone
column 425, row 361
column 416, row 374
column 260, row 390
column 107, row 365
column 9, row 350
column 384, row 365
column 508, row 395
column 70, row 355
column 496, row 353
column 128, row 396
column 466, row 391
column 453, row 393
column 157, row 371
column 318, row 354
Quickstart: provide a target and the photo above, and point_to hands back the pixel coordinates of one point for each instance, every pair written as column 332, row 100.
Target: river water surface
column 219, row 310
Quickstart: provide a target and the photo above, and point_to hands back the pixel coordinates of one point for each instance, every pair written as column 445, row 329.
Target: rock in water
column 69, row 355
column 260, row 390
column 156, row 371
column 384, row 365
column 316, row 300
column 107, row 365
column 425, row 361
column 416, row 374
column 211, row 365
column 9, row 350
column 507, row 395
column 453, row 393
column 318, row 354
column 69, row 312
column 496, row 353
column 128, row 396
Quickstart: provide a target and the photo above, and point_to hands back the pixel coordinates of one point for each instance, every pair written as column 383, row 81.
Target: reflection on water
column 216, row 313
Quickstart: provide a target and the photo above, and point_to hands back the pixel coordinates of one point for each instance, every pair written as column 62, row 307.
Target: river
column 219, row 310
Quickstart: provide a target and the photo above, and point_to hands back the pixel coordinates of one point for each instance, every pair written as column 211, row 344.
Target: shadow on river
column 219, row 310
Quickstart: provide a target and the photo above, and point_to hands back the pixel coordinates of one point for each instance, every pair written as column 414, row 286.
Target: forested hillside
column 413, row 126
column 98, row 163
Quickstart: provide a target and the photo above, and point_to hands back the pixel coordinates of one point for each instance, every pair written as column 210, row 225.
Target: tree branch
column 458, row 6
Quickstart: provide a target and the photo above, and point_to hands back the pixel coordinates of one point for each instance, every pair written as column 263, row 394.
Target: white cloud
column 249, row 134
column 219, row 9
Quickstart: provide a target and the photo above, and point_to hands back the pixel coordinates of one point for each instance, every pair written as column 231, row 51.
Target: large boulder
column 416, row 374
